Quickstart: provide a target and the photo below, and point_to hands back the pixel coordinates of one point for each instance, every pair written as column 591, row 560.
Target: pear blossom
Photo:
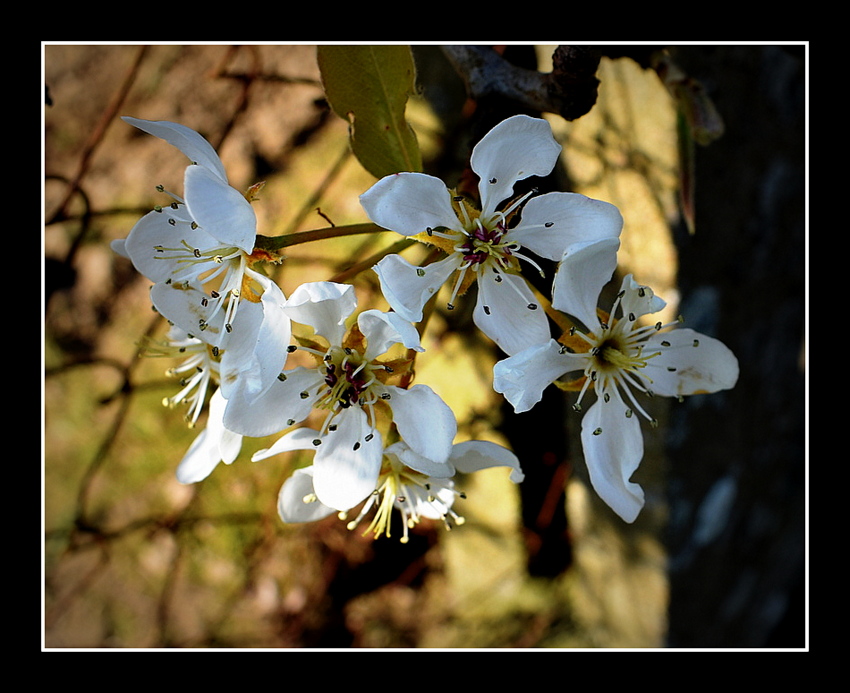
column 619, row 358
column 350, row 387
column 204, row 239
column 487, row 244
column 415, row 486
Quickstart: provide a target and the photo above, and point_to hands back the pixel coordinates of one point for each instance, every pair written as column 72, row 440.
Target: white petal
column 222, row 211
column 229, row 446
column 515, row 149
column 291, row 505
column 275, row 333
column 383, row 330
column 324, row 306
column 239, row 361
column 184, row 307
column 585, row 269
column 552, row 222
column 424, row 421
column 291, row 441
column 472, row 455
column 117, row 247
column 346, row 465
column 256, row 347
column 521, row 378
column 188, row 308
column 200, row 459
column 409, row 203
column 193, row 145
column 402, row 452
column 502, row 312
column 229, row 442
column 277, row 408
column 213, row 445
column 407, row 287
column 154, row 230
column 613, row 454
column 638, row 299
column 709, row 367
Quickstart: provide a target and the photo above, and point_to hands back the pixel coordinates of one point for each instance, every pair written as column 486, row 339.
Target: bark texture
column 737, row 530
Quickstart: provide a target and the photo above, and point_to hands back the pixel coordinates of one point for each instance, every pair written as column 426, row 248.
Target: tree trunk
column 737, row 482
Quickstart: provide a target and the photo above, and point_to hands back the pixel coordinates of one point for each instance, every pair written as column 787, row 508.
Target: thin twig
column 98, row 133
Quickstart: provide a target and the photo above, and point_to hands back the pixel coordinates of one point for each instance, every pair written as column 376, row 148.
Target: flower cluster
column 325, row 377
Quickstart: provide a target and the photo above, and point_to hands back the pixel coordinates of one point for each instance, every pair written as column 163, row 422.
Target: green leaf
column 369, row 87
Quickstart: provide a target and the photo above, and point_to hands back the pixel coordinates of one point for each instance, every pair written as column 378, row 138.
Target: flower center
column 348, row 380
column 348, row 377
column 223, row 271
column 405, row 489
column 616, row 354
column 482, row 243
column 480, row 239
column 616, row 361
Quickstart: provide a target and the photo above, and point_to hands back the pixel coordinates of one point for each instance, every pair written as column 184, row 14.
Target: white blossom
column 620, row 359
column 202, row 239
column 405, row 483
column 350, row 388
column 487, row 245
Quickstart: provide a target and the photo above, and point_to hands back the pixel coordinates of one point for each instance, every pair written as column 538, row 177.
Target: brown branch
column 100, row 130
column 569, row 90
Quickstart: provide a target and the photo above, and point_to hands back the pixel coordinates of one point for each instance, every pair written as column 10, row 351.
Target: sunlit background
column 132, row 558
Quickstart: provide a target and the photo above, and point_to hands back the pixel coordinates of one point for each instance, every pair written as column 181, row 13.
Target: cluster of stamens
column 617, row 359
column 348, row 377
column 220, row 269
column 348, row 380
column 404, row 489
column 196, row 372
column 483, row 244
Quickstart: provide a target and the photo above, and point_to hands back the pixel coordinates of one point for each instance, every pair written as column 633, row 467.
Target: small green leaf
column 369, row 87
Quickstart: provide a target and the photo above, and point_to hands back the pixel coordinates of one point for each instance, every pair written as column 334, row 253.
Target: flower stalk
column 276, row 243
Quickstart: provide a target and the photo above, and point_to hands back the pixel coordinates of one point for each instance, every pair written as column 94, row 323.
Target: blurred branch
column 243, row 98
column 99, row 131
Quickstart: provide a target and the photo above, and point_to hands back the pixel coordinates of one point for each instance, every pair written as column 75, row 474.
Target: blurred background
column 717, row 559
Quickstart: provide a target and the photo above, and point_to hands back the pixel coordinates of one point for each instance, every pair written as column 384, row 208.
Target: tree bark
column 737, row 485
